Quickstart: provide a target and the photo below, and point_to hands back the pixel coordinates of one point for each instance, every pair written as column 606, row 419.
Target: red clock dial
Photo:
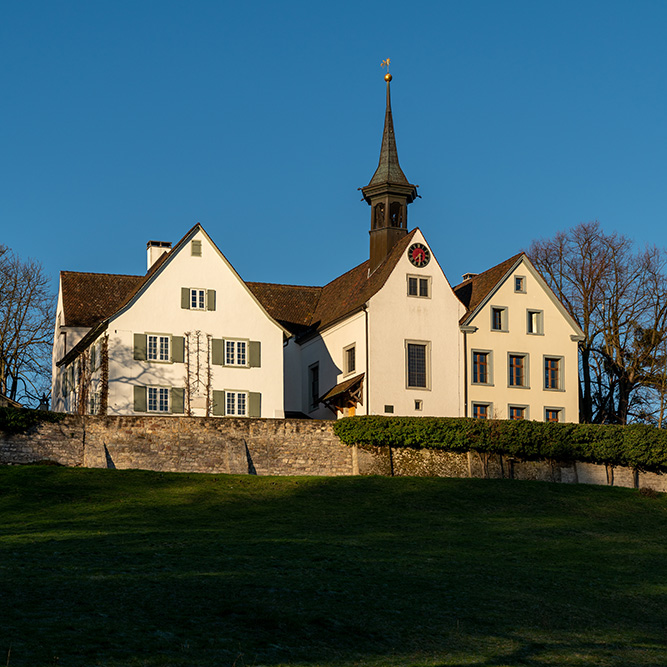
column 418, row 254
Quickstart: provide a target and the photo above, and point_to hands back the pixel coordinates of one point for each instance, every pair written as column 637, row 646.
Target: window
column 498, row 318
column 350, row 359
column 552, row 414
column 417, row 365
column 419, row 287
column 236, row 353
column 552, row 373
column 517, row 412
column 236, row 403
column 389, row 409
column 480, row 410
column 94, row 402
column 195, row 248
column 535, row 320
column 520, row 284
column 419, row 405
column 198, row 299
column 517, row 370
column 158, row 399
column 158, row 348
column 314, row 384
column 480, row 367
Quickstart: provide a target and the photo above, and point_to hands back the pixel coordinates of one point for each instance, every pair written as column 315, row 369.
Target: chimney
column 468, row 276
column 155, row 250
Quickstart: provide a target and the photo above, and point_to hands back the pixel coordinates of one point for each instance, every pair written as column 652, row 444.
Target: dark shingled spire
column 389, row 170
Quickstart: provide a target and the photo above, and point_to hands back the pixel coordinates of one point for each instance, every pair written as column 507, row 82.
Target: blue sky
column 122, row 122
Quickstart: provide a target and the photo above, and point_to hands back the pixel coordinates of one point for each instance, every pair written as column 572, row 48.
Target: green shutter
column 185, row 298
column 219, row 403
column 139, row 399
column 140, row 347
column 254, row 404
column 178, row 349
column 216, row 351
column 177, row 400
column 255, row 354
column 210, row 299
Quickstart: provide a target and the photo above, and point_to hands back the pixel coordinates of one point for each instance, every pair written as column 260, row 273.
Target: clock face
column 418, row 254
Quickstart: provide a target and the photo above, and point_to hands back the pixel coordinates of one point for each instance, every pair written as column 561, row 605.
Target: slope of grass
column 124, row 568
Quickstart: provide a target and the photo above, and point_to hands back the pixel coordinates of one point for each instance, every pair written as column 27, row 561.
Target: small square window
column 418, row 286
column 520, row 284
column 480, row 410
column 389, row 409
column 552, row 415
column 517, row 412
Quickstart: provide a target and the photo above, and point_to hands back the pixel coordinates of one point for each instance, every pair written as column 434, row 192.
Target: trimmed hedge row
column 636, row 446
column 20, row 420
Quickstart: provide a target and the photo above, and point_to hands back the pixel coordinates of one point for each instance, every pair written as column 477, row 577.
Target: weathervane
column 385, row 63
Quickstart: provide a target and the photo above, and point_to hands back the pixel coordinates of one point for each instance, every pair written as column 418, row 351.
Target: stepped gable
column 473, row 291
column 292, row 306
column 91, row 297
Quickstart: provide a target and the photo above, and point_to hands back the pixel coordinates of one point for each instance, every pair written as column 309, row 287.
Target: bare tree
column 618, row 296
column 26, row 328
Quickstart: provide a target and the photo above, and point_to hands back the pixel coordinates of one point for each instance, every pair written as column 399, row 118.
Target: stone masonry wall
column 271, row 447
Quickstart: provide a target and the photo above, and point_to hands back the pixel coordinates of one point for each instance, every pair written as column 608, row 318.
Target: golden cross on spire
column 387, row 76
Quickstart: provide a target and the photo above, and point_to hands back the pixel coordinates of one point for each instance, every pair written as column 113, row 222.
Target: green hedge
column 20, row 420
column 637, row 446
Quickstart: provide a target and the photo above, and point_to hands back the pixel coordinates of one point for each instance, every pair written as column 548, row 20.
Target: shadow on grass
column 136, row 568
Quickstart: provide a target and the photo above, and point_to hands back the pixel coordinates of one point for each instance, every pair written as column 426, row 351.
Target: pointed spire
column 389, row 170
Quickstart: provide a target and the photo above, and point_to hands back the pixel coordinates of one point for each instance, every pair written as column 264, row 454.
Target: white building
column 189, row 337
column 390, row 336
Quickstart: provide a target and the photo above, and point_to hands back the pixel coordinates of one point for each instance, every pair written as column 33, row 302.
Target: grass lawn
column 120, row 568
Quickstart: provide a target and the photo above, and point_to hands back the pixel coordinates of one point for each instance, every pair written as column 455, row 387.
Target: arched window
column 378, row 216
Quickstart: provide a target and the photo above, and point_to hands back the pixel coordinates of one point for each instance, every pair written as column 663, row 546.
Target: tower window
column 396, row 214
column 378, row 217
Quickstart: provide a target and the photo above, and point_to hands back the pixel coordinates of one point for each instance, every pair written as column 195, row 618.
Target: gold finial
column 385, row 63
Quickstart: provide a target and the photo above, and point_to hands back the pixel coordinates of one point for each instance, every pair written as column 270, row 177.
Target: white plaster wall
column 555, row 342
column 327, row 350
column 158, row 310
column 394, row 318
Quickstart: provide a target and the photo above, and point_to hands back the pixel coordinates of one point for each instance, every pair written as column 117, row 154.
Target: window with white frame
column 418, row 286
column 158, row 347
column 236, row 403
column 197, row 299
column 158, row 399
column 95, row 402
column 236, row 353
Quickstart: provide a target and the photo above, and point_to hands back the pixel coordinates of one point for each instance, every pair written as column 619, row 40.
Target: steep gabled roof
column 474, row 291
column 302, row 309
column 292, row 306
column 91, row 297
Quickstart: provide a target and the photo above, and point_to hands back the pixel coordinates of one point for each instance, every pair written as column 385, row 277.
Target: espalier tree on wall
column 637, row 446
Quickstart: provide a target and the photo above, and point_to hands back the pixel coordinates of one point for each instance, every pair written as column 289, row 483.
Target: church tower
column 388, row 194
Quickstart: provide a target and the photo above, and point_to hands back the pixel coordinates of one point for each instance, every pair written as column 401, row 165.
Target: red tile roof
column 91, row 297
column 300, row 309
column 473, row 291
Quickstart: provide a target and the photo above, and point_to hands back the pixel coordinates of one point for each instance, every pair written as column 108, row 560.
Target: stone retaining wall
column 270, row 447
